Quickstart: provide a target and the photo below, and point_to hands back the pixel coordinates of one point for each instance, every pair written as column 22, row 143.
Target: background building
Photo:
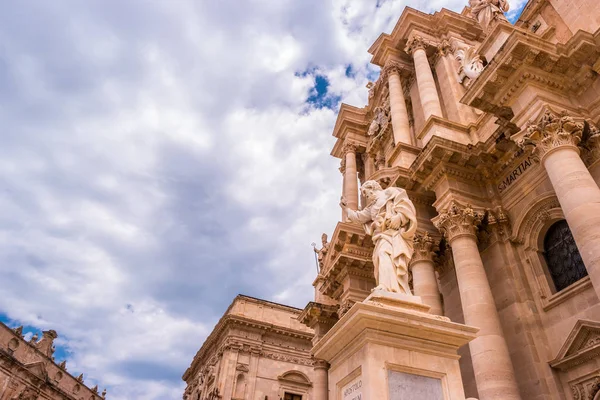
column 492, row 130
column 258, row 350
column 28, row 370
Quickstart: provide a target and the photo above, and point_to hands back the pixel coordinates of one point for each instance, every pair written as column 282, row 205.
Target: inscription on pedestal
column 353, row 390
column 403, row 386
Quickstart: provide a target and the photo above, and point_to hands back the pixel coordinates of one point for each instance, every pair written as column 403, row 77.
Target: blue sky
column 159, row 158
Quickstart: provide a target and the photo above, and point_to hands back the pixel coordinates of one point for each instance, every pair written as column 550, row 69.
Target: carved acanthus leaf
column 551, row 131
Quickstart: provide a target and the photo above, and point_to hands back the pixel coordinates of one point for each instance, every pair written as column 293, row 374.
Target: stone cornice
column 315, row 313
column 582, row 345
column 217, row 337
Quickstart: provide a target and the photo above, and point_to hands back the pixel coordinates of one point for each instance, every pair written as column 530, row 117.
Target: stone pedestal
column 390, row 347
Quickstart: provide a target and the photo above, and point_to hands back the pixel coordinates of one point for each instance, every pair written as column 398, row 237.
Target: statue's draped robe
column 393, row 248
column 488, row 10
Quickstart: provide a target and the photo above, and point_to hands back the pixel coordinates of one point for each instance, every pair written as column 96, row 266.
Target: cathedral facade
column 492, row 129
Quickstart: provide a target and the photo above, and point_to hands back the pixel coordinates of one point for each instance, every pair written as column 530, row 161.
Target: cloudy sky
column 160, row 157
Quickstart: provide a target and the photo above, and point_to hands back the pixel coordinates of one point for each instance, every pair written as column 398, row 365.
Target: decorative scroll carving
column 458, row 221
column 550, row 132
column 591, row 143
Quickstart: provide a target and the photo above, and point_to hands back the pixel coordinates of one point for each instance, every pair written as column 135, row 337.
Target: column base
column 389, row 347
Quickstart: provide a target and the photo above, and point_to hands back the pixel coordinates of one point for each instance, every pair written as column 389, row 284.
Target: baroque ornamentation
column 424, row 247
column 587, row 389
column 498, row 221
column 26, row 394
column 445, row 48
column 550, row 132
column 458, row 221
column 390, row 219
column 379, row 123
column 471, row 65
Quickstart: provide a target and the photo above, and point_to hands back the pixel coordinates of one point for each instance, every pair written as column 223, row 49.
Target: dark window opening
column 291, row 396
column 562, row 256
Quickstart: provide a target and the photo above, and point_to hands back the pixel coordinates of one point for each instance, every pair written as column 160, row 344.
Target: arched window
column 562, row 256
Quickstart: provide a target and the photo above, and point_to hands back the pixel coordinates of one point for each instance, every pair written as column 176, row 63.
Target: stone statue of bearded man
column 486, row 11
column 390, row 218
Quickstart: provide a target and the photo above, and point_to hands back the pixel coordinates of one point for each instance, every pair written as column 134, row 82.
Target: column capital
column 551, row 132
column 424, row 247
column 392, row 67
column 349, row 148
column 445, row 48
column 320, row 364
column 458, row 221
column 415, row 43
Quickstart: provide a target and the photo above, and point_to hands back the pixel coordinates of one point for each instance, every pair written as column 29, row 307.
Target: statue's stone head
column 369, row 189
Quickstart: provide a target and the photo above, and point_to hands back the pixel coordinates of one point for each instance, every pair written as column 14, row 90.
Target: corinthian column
column 425, row 82
column 350, row 176
column 494, row 373
column 321, row 380
column 398, row 111
column 424, row 280
column 555, row 138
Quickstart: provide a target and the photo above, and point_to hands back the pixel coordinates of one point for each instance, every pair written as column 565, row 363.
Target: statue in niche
column 323, row 252
column 390, row 219
column 486, row 11
column 471, row 65
column 379, row 122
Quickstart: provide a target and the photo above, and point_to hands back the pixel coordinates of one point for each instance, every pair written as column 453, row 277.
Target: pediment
column 38, row 369
column 582, row 345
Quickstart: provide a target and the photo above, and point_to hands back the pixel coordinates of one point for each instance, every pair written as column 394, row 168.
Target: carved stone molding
column 458, row 221
column 416, row 43
column 551, row 132
column 424, row 247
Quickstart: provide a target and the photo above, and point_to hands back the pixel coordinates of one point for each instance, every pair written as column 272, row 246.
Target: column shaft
column 492, row 365
column 579, row 198
column 426, row 84
column 399, row 113
column 425, row 285
column 321, row 381
column 369, row 165
column 351, row 178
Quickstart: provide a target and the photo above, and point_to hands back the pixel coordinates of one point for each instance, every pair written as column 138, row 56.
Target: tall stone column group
column 555, row 138
column 494, row 373
column 425, row 82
